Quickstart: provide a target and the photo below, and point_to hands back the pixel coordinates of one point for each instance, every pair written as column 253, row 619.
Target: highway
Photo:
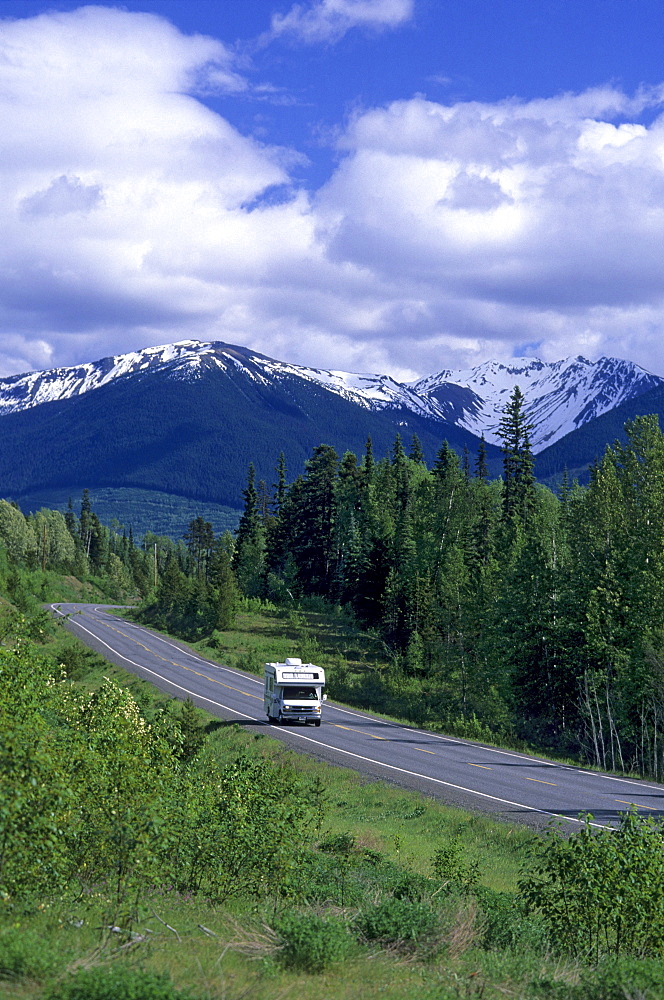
column 515, row 786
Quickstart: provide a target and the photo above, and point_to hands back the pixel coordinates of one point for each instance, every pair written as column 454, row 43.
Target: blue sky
column 369, row 185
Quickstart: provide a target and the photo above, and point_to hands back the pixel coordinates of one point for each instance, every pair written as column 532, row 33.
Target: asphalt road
column 517, row 787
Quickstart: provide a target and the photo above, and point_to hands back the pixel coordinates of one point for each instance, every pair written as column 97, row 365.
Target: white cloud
column 515, row 222
column 133, row 215
column 330, row 20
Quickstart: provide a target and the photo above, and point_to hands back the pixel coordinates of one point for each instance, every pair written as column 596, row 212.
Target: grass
column 405, row 826
column 227, row 956
column 231, row 952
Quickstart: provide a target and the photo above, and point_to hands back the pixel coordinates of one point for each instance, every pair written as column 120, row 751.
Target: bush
column 115, row 983
column 621, row 979
column 507, row 924
column 450, row 869
column 23, row 955
column 311, row 943
column 404, row 922
column 343, row 879
column 600, row 891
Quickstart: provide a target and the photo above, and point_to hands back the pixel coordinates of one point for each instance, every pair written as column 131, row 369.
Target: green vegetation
column 147, row 850
column 601, row 892
column 154, row 852
column 505, row 613
column 144, row 511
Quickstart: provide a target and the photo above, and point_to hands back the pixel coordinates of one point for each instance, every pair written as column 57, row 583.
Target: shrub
column 452, row 871
column 344, row 879
column 404, row 922
column 311, row 943
column 340, row 843
column 506, row 922
column 600, row 891
column 23, row 955
column 115, row 983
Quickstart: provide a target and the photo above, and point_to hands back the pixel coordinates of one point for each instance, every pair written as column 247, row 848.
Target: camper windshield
column 300, row 693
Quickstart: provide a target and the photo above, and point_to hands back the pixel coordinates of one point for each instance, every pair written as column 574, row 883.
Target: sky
column 398, row 186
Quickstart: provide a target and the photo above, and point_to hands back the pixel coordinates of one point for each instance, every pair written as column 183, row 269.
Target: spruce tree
column 368, row 460
column 308, row 522
column 481, row 467
column 416, row 453
column 519, row 480
column 249, row 557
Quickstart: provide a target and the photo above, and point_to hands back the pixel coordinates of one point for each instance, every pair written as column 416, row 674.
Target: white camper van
column 293, row 691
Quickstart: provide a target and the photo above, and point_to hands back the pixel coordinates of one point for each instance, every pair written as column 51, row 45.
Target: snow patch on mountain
column 559, row 396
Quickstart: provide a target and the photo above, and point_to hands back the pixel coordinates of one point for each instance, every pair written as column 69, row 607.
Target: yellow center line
column 351, row 730
column 539, row 780
column 480, row 765
column 425, row 751
column 639, row 805
column 190, row 670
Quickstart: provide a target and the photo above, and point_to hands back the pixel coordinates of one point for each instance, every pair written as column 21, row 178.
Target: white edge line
column 328, row 746
column 397, row 725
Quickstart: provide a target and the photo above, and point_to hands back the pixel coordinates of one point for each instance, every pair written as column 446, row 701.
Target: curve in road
column 517, row 786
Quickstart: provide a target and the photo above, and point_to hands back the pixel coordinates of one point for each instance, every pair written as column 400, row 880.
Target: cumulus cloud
column 133, row 215
column 515, row 222
column 330, row 20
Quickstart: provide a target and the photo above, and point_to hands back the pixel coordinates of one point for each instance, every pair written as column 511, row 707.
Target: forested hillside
column 190, row 438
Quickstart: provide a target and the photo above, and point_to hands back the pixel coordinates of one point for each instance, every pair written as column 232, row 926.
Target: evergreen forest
column 531, row 615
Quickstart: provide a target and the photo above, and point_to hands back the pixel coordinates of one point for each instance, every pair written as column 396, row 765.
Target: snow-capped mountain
column 560, row 397
column 186, row 360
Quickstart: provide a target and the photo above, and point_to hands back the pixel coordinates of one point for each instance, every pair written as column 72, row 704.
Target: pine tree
column 416, row 453
column 309, row 522
column 199, row 539
column 84, row 522
column 280, row 485
column 519, row 480
column 249, row 557
column 481, row 468
column 70, row 519
column 368, row 461
column 224, row 595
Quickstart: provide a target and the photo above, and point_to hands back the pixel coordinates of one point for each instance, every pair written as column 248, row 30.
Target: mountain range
column 184, row 420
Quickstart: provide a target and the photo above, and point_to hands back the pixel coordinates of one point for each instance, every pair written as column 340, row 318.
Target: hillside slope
column 195, row 438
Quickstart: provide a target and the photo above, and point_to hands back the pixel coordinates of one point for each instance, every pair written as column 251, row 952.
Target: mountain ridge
column 559, row 396
column 195, row 436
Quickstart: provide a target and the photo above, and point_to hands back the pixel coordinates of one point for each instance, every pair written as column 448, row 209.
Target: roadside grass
column 234, row 953
column 365, row 829
column 407, row 827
